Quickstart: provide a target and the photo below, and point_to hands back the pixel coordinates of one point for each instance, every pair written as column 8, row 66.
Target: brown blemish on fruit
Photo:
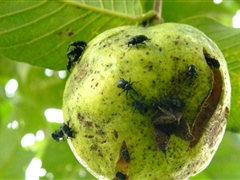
column 115, row 134
column 100, row 132
column 208, row 108
column 227, row 112
column 94, row 147
column 89, row 136
column 84, row 122
column 103, row 142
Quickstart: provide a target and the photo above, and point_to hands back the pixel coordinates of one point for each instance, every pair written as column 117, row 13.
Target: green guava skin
column 103, row 119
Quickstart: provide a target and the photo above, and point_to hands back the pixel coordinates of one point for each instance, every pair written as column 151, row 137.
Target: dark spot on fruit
column 175, row 42
column 84, row 122
column 103, row 142
column 100, row 132
column 89, row 136
column 115, row 134
column 94, row 147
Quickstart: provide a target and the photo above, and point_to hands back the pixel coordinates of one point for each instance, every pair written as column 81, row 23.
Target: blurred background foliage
column 31, row 93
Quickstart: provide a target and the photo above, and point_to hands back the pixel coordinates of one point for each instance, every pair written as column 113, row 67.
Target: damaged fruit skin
column 104, row 120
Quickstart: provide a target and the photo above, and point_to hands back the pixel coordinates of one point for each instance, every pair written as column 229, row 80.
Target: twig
column 158, row 9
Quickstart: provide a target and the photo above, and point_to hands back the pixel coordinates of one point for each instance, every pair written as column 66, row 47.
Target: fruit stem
column 157, row 7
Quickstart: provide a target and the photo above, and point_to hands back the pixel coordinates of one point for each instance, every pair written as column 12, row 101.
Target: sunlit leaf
column 233, row 124
column 39, row 32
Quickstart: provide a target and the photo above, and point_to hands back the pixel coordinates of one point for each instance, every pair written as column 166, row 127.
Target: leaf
column 39, row 32
column 228, row 40
column 233, row 124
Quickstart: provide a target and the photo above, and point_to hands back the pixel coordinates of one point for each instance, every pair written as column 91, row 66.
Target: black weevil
column 77, row 44
column 75, row 53
column 126, row 86
column 73, row 56
column 139, row 39
column 67, row 130
column 125, row 155
column 58, row 135
column 192, row 71
column 120, row 176
column 140, row 105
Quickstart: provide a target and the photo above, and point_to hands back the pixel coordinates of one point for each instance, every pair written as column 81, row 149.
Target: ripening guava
column 147, row 103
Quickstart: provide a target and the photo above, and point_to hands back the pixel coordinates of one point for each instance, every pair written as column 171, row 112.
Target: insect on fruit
column 126, row 86
column 120, row 176
column 166, row 117
column 211, row 61
column 161, row 139
column 125, row 155
column 67, row 130
column 58, row 135
column 192, row 71
column 139, row 39
column 76, row 44
column 140, row 105
column 75, row 53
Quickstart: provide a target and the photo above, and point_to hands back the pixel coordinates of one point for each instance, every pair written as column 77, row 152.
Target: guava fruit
column 153, row 109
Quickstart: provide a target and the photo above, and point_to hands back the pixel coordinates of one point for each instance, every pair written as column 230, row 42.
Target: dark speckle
column 100, row 132
column 94, row 147
column 115, row 134
column 84, row 122
column 89, row 136
column 103, row 142
column 175, row 42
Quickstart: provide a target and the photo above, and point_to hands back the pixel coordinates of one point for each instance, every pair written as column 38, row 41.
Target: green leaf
column 39, row 32
column 228, row 40
column 233, row 124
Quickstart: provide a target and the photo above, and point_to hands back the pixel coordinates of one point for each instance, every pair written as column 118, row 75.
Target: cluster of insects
column 75, row 53
column 167, row 121
column 138, row 104
column 167, row 117
column 63, row 132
